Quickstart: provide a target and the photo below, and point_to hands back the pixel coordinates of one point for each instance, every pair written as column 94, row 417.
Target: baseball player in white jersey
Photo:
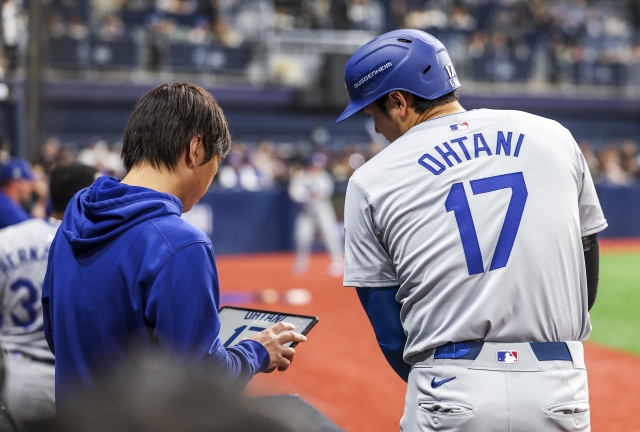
column 24, row 248
column 471, row 241
column 312, row 188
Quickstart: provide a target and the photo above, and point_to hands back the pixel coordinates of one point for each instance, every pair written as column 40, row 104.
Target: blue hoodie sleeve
column 182, row 308
column 46, row 296
column 384, row 313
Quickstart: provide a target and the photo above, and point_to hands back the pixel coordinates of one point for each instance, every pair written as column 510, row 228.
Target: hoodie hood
column 107, row 208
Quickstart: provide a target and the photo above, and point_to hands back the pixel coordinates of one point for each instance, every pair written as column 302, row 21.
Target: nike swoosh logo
column 436, row 384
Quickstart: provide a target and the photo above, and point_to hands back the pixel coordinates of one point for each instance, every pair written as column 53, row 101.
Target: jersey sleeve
column 366, row 261
column 592, row 219
column 182, row 310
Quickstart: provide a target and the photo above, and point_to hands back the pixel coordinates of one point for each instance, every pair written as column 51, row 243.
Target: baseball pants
column 486, row 395
column 29, row 390
column 317, row 215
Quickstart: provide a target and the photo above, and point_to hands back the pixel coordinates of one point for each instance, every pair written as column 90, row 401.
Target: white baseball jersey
column 24, row 249
column 308, row 187
column 478, row 218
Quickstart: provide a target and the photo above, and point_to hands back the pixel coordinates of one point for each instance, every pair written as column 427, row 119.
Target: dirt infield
column 341, row 371
column 619, row 245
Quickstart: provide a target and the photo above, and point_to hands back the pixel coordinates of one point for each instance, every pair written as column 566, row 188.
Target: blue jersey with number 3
column 478, row 217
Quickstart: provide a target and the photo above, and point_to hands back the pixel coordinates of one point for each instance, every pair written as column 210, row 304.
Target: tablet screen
column 240, row 323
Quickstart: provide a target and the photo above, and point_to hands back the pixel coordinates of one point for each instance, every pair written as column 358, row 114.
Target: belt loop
column 577, row 354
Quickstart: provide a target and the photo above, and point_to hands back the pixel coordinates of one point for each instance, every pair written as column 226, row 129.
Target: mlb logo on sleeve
column 459, row 126
column 507, row 356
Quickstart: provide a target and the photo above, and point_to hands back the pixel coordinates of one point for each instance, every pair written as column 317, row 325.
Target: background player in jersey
column 16, row 185
column 312, row 188
column 24, row 247
column 467, row 239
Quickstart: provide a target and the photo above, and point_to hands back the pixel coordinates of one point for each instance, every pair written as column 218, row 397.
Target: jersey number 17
column 458, row 203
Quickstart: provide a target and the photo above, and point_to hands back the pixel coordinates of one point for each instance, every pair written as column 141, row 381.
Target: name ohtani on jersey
column 476, row 145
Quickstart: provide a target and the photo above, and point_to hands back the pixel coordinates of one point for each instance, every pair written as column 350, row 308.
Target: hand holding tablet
column 274, row 330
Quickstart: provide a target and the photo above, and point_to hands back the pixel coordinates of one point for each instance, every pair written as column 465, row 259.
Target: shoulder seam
column 155, row 273
column 161, row 235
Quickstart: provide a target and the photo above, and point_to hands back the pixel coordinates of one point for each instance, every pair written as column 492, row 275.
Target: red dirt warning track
column 622, row 245
column 341, row 371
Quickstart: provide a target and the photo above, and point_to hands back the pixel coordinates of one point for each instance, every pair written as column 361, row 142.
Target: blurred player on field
column 16, row 185
column 312, row 188
column 24, row 248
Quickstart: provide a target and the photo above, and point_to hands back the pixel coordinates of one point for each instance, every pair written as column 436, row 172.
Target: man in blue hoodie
column 130, row 282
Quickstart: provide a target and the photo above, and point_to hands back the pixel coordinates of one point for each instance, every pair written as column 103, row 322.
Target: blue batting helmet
column 409, row 60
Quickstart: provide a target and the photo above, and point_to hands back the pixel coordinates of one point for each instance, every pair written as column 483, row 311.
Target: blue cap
column 409, row 60
column 15, row 169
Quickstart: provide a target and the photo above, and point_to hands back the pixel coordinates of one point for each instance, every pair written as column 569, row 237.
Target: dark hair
column 421, row 105
column 66, row 180
column 166, row 119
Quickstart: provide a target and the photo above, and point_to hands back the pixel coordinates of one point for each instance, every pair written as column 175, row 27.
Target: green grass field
column 616, row 315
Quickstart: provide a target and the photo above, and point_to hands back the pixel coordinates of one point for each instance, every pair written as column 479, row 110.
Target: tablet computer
column 239, row 323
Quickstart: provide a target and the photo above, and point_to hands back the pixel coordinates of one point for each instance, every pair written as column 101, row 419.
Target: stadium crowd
column 567, row 41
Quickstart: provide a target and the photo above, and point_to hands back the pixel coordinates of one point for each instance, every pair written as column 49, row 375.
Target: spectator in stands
column 112, row 28
column 397, row 12
column 461, row 19
column 200, row 33
column 316, row 14
column 223, row 32
column 269, row 167
column 237, row 174
column 57, row 28
column 40, row 195
column 631, row 159
column 283, row 18
column 16, row 185
column 612, row 171
column 101, row 8
column 52, row 153
column 477, row 44
column 76, row 28
column 591, row 158
column 366, row 15
column 158, row 33
column 179, row 7
column 13, row 29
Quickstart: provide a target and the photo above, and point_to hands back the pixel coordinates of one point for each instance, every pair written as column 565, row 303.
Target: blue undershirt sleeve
column 384, row 314
column 182, row 309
